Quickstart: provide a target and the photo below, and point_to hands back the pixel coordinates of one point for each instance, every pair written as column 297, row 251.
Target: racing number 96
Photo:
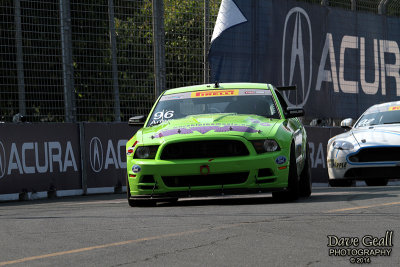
column 161, row 115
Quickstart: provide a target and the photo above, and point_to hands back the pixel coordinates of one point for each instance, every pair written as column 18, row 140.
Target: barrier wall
column 38, row 160
column 39, row 157
column 104, row 162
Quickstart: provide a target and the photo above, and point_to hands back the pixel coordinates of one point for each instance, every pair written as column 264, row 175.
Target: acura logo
column 96, row 154
column 2, row 161
column 297, row 48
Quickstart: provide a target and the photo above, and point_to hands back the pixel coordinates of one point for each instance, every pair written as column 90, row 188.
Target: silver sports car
column 370, row 150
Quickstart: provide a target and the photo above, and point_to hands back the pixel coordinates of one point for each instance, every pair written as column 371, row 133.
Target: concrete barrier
column 40, row 160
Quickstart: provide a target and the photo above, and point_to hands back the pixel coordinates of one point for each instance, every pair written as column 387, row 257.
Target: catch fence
column 106, row 60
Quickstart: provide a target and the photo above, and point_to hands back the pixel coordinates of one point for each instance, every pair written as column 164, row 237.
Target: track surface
column 250, row 230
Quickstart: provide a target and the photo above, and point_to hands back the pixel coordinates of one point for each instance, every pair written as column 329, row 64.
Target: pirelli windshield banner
column 341, row 61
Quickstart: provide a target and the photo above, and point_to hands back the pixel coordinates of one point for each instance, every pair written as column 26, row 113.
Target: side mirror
column 137, row 120
column 347, row 123
column 292, row 112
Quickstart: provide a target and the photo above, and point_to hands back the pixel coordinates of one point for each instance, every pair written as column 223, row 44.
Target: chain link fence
column 81, row 60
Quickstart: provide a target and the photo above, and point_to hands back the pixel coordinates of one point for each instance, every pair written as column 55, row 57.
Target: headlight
column 146, row 152
column 268, row 145
column 342, row 145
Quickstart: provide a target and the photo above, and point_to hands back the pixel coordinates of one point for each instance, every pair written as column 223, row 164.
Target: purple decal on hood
column 205, row 129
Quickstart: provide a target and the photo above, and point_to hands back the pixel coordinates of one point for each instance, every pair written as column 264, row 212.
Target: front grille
column 373, row 172
column 206, row 180
column 204, row 149
column 376, row 154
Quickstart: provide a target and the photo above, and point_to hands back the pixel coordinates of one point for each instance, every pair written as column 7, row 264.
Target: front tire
column 137, row 203
column 305, row 186
column 292, row 192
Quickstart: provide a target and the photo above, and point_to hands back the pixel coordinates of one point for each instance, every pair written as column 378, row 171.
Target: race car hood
column 377, row 135
column 248, row 126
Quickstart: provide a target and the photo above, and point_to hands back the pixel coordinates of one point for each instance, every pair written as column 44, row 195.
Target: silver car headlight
column 342, row 145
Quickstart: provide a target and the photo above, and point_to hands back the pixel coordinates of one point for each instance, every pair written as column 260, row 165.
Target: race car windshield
column 235, row 101
column 390, row 116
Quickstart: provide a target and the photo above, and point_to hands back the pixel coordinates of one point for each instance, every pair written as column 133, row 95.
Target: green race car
column 215, row 139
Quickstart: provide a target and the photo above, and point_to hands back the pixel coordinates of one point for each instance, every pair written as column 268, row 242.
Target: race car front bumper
column 199, row 177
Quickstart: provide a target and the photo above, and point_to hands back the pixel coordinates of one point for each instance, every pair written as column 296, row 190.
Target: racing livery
column 218, row 139
column 370, row 151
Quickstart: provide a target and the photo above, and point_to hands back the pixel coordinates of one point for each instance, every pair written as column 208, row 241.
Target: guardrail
column 40, row 160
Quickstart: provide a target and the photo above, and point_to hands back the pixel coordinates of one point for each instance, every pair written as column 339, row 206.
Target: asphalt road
column 251, row 230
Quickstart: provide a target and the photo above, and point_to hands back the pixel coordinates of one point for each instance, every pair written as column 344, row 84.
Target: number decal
column 169, row 114
column 161, row 116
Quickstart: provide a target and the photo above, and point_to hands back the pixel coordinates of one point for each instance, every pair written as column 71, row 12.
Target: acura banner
column 105, row 154
column 39, row 157
column 341, row 61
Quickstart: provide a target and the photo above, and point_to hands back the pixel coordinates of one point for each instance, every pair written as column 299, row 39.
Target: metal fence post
column 20, row 58
column 206, row 78
column 159, row 46
column 113, row 44
column 81, row 126
column 353, row 5
column 68, row 70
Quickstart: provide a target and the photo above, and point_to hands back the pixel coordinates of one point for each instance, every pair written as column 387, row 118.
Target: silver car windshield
column 236, row 101
column 390, row 116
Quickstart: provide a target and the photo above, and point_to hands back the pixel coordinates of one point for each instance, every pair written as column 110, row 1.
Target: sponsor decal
column 337, row 165
column 258, row 92
column 298, row 54
column 394, row 108
column 214, row 93
column 136, row 169
column 206, row 129
column 173, row 97
column 280, row 160
column 259, row 122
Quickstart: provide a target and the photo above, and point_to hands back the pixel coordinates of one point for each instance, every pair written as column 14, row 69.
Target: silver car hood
column 377, row 135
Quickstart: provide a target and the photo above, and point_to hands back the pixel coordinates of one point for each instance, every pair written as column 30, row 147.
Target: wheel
column 377, row 182
column 305, row 186
column 341, row 183
column 292, row 192
column 137, row 203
